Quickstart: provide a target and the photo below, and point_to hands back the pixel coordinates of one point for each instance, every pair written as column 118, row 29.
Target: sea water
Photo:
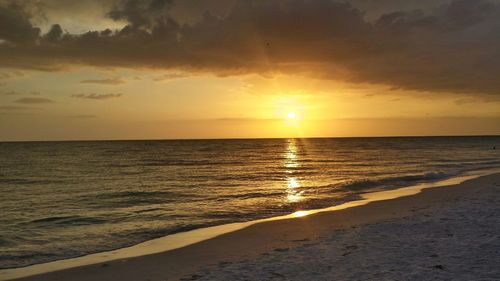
column 67, row 199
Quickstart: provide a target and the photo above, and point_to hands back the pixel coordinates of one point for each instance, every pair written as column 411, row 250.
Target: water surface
column 67, row 199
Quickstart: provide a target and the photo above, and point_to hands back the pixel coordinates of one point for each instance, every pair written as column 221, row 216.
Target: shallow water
column 67, row 199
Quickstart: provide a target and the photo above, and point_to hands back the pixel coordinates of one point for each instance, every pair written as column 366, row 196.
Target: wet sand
column 441, row 233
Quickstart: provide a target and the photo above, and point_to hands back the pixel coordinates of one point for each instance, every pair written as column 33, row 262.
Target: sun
column 291, row 115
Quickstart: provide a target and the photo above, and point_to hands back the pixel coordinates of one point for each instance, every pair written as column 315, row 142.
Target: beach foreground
column 441, row 233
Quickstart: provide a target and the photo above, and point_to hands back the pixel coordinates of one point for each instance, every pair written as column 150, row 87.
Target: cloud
column 11, row 75
column 468, row 100
column 34, row 100
column 16, row 108
column 245, row 119
column 15, row 93
column 452, row 47
column 4, row 76
column 140, row 13
column 83, row 116
column 54, row 35
column 15, row 26
column 170, row 76
column 97, row 96
column 111, row 81
column 11, row 93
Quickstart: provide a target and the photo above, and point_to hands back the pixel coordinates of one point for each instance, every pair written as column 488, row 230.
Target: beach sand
column 441, row 233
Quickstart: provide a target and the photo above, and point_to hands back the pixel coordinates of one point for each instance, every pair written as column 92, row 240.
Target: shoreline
column 176, row 255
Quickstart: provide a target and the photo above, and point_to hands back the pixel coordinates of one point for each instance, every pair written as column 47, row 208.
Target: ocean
column 67, row 199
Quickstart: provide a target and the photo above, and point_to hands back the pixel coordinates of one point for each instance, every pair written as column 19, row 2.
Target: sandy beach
column 441, row 233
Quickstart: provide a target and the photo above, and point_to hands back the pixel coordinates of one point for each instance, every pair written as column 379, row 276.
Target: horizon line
column 250, row 138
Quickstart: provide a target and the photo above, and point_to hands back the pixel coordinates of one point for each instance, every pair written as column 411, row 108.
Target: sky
column 176, row 69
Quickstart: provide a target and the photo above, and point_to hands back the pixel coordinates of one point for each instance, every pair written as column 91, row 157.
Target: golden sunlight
column 300, row 214
column 232, row 118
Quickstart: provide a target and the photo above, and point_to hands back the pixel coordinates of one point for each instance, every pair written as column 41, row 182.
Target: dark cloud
column 54, row 35
column 34, row 100
column 15, row 26
column 140, row 13
column 97, row 96
column 103, row 81
column 373, row 9
column 451, row 47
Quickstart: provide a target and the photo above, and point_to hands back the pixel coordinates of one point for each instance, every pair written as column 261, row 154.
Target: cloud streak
column 110, row 81
column 454, row 47
column 170, row 76
column 34, row 100
column 83, row 116
column 94, row 96
column 16, row 108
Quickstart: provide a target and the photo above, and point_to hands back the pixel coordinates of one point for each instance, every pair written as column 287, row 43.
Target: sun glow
column 300, row 214
column 292, row 119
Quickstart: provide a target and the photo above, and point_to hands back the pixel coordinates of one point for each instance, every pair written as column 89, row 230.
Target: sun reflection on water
column 299, row 214
column 292, row 183
column 293, row 195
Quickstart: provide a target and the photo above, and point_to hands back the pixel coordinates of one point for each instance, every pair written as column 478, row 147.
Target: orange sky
column 239, row 72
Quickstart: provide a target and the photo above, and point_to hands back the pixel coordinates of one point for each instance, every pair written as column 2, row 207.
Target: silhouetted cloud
column 111, row 81
column 140, row 13
column 97, row 96
column 54, row 35
column 452, row 47
column 15, row 26
column 34, row 100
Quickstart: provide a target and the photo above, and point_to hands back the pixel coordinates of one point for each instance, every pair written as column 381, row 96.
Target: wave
column 155, row 163
column 393, row 182
column 29, row 181
column 68, row 220
column 21, row 259
column 120, row 199
column 251, row 195
column 4, row 242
